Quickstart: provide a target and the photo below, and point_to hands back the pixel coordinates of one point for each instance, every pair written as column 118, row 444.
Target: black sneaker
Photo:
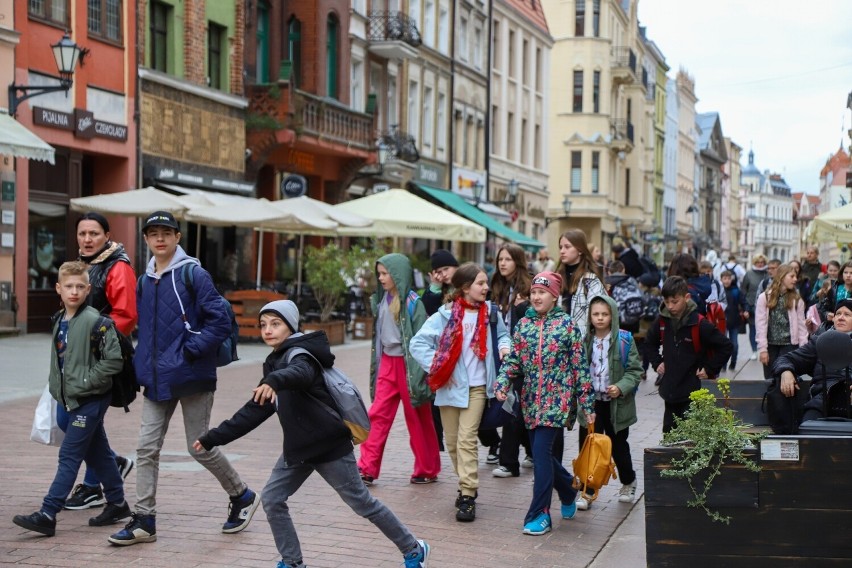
column 493, row 454
column 85, row 497
column 466, row 511
column 110, row 515
column 240, row 511
column 141, row 528
column 125, row 465
column 37, row 522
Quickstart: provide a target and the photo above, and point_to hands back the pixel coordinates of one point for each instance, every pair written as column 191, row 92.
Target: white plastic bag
column 45, row 429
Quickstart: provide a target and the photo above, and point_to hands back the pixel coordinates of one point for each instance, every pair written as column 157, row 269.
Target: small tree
column 361, row 268
column 325, row 270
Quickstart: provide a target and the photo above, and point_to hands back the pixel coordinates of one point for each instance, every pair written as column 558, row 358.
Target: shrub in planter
column 325, row 273
column 710, row 436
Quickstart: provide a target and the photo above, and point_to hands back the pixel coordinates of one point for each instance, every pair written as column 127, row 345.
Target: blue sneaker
column 282, row 564
column 141, row 528
column 418, row 558
column 568, row 511
column 240, row 511
column 539, row 525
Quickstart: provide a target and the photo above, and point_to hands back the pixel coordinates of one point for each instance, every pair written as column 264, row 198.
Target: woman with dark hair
column 510, row 290
column 456, row 348
column 113, row 293
column 581, row 277
column 701, row 289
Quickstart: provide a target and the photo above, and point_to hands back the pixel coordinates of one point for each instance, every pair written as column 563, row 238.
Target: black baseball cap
column 162, row 219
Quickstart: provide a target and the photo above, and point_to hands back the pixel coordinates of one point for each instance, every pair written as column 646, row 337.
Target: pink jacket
column 798, row 331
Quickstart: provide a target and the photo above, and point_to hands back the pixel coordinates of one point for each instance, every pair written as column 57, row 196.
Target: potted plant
column 325, row 274
column 361, row 262
column 710, row 437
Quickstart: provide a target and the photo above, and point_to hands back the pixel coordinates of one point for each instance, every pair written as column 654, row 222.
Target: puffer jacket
column 311, row 433
column 627, row 379
column 113, row 286
column 172, row 359
column 548, row 357
column 82, row 374
column 399, row 268
column 423, row 346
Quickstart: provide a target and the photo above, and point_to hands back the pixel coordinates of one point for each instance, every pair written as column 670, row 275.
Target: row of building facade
column 563, row 113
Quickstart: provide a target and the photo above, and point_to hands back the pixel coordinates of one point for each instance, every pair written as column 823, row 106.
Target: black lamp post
column 566, row 209
column 66, row 53
column 478, row 188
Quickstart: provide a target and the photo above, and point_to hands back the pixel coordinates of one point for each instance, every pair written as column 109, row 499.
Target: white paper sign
column 779, row 450
column 8, row 218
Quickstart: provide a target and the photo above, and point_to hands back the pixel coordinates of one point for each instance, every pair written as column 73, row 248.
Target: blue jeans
column 549, row 473
column 89, row 479
column 342, row 475
column 733, row 335
column 85, row 439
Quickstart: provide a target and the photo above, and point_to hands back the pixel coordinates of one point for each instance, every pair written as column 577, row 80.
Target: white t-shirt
column 476, row 371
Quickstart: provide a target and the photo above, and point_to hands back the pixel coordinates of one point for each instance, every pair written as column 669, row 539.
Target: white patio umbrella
column 835, row 225
column 134, row 202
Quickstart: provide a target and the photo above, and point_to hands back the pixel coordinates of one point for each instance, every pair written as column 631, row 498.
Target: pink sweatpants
column 391, row 389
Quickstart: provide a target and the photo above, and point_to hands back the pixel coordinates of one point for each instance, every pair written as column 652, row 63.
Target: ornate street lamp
column 66, row 53
column 566, row 209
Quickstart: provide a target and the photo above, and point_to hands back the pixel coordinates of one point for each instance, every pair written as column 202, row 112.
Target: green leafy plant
column 361, row 268
column 710, row 436
column 325, row 273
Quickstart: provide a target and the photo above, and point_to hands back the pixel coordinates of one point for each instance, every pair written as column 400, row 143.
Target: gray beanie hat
column 286, row 310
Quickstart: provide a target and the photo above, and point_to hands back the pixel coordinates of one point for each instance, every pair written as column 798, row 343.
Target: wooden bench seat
column 247, row 305
column 746, row 399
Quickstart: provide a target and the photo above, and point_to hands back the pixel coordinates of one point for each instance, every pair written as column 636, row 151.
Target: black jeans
column 620, row 447
column 775, row 351
column 671, row 410
column 515, row 434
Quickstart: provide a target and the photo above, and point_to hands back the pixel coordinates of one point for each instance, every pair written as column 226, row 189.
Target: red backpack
column 696, row 338
column 716, row 316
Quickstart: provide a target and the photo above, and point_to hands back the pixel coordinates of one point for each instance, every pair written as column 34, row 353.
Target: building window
column 105, row 19
column 596, row 18
column 414, row 13
column 443, row 29
column 512, row 63
column 428, row 123
column 578, row 91
column 576, row 171
column 161, row 15
column 477, row 48
column 332, row 31
column 413, row 109
column 510, row 136
column 537, row 144
column 392, row 106
column 596, row 92
column 596, row 171
column 216, row 35
column 538, row 72
column 580, row 18
column 442, row 122
column 429, row 23
column 496, row 55
column 54, row 11
column 357, row 84
column 495, row 130
column 627, row 186
column 525, row 67
column 463, row 45
column 262, row 56
column 294, row 50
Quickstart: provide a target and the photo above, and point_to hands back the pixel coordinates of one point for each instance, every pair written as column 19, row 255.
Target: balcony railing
column 623, row 65
column 278, row 107
column 621, row 129
column 394, row 26
column 400, row 145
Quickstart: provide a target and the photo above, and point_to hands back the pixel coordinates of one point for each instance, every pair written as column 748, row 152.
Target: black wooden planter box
column 793, row 513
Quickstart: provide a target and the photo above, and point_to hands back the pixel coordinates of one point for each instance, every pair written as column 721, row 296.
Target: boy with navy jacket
column 182, row 322
column 314, row 439
column 682, row 363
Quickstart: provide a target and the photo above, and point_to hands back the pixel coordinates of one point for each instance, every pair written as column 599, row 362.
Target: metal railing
column 394, row 26
column 621, row 129
column 624, row 57
column 400, row 145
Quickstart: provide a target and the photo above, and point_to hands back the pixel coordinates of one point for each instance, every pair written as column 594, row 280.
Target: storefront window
column 47, row 244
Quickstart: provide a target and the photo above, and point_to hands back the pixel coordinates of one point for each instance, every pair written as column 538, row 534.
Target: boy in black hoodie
column 683, row 363
column 314, row 440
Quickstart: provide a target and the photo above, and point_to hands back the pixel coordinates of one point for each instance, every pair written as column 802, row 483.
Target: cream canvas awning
column 17, row 141
column 835, row 225
column 398, row 213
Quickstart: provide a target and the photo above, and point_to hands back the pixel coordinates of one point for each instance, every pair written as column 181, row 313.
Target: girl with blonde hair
column 780, row 315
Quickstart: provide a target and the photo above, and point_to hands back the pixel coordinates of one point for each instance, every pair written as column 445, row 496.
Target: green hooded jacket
column 399, row 268
column 623, row 408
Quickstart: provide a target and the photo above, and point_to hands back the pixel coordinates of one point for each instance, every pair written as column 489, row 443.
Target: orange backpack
column 594, row 467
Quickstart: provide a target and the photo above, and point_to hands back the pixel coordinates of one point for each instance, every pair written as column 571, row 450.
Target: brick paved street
column 192, row 506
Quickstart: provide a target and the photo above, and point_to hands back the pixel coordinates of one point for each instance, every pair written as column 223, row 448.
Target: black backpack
column 650, row 267
column 124, row 385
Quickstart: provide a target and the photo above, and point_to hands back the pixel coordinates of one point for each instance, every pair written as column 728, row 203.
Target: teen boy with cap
column 314, row 439
column 180, row 330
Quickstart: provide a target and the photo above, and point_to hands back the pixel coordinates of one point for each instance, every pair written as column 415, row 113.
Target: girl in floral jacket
column 548, row 356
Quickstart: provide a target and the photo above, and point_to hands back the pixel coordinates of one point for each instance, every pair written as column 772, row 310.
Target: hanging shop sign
column 293, row 185
column 81, row 122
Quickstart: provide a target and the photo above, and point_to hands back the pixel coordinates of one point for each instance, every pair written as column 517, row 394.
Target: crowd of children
column 549, row 348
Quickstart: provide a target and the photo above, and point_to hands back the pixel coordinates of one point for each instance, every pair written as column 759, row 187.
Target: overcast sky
column 778, row 72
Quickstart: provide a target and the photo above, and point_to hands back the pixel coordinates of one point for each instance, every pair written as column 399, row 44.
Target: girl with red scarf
column 455, row 347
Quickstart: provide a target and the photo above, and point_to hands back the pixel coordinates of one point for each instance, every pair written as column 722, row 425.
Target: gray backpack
column 347, row 398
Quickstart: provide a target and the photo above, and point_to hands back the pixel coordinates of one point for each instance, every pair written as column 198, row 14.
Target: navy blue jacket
column 172, row 361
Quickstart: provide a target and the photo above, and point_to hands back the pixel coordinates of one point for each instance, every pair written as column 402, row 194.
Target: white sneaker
column 502, row 471
column 583, row 504
column 753, row 356
column 627, row 493
column 527, row 463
